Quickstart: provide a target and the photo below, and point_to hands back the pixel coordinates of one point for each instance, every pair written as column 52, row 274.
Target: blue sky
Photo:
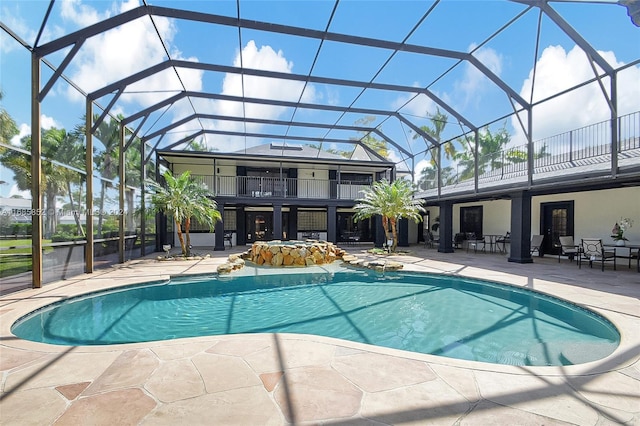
column 453, row 25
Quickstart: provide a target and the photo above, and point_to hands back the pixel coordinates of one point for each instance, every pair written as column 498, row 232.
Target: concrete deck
column 276, row 379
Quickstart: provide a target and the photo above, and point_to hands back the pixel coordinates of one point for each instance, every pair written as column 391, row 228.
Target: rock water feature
column 294, row 253
column 300, row 254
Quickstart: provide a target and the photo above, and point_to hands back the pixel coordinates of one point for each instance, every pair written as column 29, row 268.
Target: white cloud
column 17, row 25
column 254, row 57
column 333, row 96
column 420, row 165
column 490, row 58
column 265, row 58
column 558, row 70
column 123, row 51
column 80, row 14
column 24, row 129
column 420, row 105
column 47, row 122
column 474, row 82
column 134, row 46
column 16, row 192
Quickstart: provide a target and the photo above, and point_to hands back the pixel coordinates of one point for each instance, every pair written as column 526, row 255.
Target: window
column 312, row 220
column 197, row 227
column 229, row 220
column 471, row 220
column 356, row 178
column 267, row 173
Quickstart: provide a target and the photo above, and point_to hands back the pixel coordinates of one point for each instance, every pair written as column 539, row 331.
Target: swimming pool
column 435, row 314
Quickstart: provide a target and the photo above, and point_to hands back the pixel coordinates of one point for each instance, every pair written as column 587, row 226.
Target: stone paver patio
column 276, row 379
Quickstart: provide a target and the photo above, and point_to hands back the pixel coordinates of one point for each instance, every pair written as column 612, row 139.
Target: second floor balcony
column 276, row 187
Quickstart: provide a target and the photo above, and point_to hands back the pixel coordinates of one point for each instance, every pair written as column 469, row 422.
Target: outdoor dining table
column 631, row 248
column 492, row 240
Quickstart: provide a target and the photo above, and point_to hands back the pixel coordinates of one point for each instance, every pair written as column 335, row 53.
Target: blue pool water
column 442, row 315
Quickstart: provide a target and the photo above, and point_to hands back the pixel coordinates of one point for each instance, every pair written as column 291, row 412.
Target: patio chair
column 459, row 239
column 592, row 250
column 536, row 244
column 228, row 237
column 568, row 248
column 503, row 241
column 475, row 242
column 429, row 240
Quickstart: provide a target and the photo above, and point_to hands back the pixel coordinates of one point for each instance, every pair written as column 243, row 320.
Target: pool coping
column 30, row 300
column 284, row 379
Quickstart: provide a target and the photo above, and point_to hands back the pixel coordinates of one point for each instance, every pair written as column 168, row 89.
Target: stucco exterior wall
column 596, row 212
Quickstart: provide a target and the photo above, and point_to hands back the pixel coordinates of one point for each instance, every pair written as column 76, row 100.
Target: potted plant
column 619, row 229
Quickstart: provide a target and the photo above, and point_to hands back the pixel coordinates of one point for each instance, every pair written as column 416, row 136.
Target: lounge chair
column 536, row 244
column 592, row 250
column 568, row 248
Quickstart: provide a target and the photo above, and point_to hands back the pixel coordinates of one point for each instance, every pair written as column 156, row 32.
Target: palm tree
column 377, row 145
column 490, row 152
column 8, row 126
column 184, row 199
column 392, row 201
column 69, row 149
column 108, row 132
column 52, row 182
column 428, row 175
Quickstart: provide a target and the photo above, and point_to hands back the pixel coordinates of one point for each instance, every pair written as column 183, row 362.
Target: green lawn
column 11, row 243
column 18, row 260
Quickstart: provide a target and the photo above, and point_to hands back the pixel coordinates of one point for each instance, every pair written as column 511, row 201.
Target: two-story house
column 287, row 192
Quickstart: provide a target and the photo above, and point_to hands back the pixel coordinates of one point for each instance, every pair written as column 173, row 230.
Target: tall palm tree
column 53, row 181
column 367, row 138
column 184, row 199
column 133, row 165
column 108, row 132
column 490, row 152
column 69, row 147
column 428, row 175
column 392, row 201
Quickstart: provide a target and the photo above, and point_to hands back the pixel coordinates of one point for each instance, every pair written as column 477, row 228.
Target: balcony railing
column 268, row 187
column 578, row 151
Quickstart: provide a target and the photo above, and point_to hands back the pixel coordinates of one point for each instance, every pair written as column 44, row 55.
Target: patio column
column 219, row 230
column 332, row 224
column 277, row 221
column 292, row 232
column 379, row 237
column 446, row 227
column 241, row 226
column 403, row 232
column 520, row 228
